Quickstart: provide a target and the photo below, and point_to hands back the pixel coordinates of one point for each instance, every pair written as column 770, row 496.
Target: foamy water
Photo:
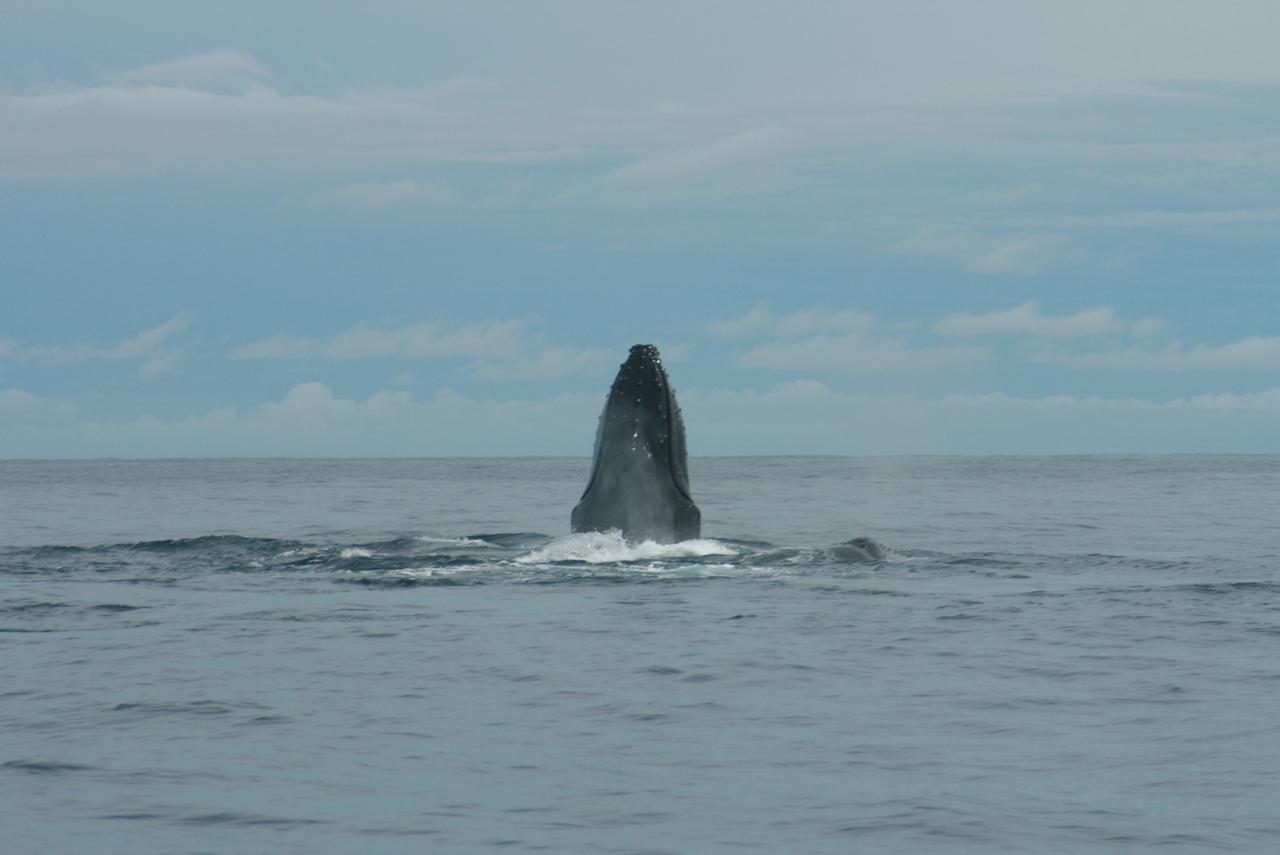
column 611, row 548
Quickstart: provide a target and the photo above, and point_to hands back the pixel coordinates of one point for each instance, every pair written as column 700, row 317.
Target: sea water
column 1067, row 654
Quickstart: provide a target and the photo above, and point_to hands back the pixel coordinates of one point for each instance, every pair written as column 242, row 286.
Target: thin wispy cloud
column 760, row 320
column 153, row 347
column 215, row 68
column 736, row 151
column 859, row 354
column 844, row 341
column 1255, row 353
column 224, row 110
column 376, row 196
column 1164, row 220
column 161, row 364
column 994, row 254
column 426, row 340
column 1028, row 320
column 495, row 350
column 545, row 363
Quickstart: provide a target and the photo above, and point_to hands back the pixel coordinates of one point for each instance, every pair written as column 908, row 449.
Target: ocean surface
column 1066, row 654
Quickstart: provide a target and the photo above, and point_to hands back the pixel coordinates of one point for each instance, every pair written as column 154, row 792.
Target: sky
column 434, row 229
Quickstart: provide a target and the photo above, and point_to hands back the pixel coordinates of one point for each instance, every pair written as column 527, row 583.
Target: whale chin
column 639, row 482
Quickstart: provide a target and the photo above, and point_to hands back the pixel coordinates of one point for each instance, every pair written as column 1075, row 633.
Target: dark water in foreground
column 1060, row 654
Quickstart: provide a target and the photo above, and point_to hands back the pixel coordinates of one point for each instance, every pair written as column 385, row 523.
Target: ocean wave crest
column 610, row 547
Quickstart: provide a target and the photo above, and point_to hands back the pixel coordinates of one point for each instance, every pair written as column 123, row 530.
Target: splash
column 610, row 548
column 451, row 541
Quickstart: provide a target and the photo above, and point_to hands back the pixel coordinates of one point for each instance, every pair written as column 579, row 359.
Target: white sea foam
column 301, row 550
column 610, row 548
column 451, row 541
column 680, row 571
column 427, row 572
column 355, row 552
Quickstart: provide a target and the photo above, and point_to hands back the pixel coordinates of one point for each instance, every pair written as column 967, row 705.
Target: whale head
column 639, row 480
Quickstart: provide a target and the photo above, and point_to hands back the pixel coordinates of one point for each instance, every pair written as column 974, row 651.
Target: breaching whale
column 639, row 480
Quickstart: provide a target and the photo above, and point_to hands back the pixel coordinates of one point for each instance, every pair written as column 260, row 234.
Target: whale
column 639, row 482
column 858, row 549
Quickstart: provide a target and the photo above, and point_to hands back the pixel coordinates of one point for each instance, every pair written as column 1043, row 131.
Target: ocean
column 1057, row 654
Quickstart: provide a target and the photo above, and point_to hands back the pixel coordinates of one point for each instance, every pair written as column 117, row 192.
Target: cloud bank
column 495, row 350
column 794, row 417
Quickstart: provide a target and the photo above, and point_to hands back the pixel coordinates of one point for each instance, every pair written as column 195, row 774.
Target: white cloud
column 1145, row 328
column 545, row 363
column 834, row 154
column 1265, row 400
column 148, row 342
column 858, row 354
column 161, row 364
column 371, row 197
column 850, row 83
column 840, row 341
column 22, row 409
column 1028, row 320
column 761, row 321
column 216, row 68
column 1173, row 221
column 310, row 420
column 758, row 320
column 150, row 346
column 498, row 350
column 218, row 111
column 1256, row 353
column 428, row 340
column 995, row 254
column 1048, row 401
column 743, row 149
column 1268, row 399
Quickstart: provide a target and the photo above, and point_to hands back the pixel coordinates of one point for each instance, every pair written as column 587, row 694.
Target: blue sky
column 435, row 228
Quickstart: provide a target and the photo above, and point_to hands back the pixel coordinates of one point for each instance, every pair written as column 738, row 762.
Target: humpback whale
column 639, row 480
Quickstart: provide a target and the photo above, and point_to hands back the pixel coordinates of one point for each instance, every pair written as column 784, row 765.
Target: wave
column 611, row 548
column 180, row 544
column 444, row 559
